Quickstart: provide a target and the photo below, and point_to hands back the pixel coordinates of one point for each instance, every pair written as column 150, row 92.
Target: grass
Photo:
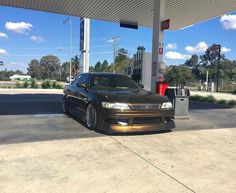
column 212, row 99
column 46, row 84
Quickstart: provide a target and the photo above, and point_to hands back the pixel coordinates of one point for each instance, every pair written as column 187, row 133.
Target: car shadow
column 134, row 133
column 28, row 104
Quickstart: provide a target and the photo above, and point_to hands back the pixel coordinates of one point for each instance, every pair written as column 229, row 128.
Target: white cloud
column 228, row 21
column 110, row 41
column 20, row 27
column 171, row 46
column 3, row 35
column 37, row 39
column 200, row 47
column 2, row 51
column 176, row 56
column 16, row 63
column 224, row 49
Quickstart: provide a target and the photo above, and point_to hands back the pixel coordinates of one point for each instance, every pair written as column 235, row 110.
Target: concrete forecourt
column 42, row 150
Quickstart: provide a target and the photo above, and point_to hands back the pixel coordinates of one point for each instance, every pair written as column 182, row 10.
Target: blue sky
column 27, row 35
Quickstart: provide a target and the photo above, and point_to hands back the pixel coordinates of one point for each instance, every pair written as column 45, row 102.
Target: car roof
column 102, row 73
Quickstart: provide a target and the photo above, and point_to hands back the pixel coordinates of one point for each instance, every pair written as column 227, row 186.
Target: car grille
column 145, row 106
column 147, row 120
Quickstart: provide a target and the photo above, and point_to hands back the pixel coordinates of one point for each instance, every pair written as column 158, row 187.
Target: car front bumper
column 112, row 121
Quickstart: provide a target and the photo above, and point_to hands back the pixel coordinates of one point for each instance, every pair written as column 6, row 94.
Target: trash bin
column 180, row 101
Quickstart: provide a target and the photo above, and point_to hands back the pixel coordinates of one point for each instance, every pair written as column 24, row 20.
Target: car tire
column 91, row 117
column 65, row 106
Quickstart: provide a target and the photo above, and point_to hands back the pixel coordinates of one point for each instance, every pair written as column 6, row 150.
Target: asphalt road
column 39, row 117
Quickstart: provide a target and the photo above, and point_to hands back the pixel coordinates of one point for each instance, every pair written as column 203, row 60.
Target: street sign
column 1, row 63
column 81, row 34
column 160, row 51
column 165, row 24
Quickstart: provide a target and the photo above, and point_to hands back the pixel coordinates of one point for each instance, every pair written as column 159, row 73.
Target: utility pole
column 218, row 69
column 114, row 44
column 207, row 81
column 70, row 41
column 60, row 49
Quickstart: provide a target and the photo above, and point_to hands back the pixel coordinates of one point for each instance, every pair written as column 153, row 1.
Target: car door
column 80, row 96
column 71, row 94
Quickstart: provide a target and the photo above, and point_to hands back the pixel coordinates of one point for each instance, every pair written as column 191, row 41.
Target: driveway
column 44, row 151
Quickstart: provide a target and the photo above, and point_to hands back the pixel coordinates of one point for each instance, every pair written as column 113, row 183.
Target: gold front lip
column 140, row 128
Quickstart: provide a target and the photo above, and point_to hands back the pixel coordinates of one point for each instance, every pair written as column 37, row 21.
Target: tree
column 179, row 75
column 122, row 60
column 140, row 49
column 210, row 60
column 34, row 69
column 104, row 66
column 75, row 62
column 192, row 62
column 98, row 67
column 5, row 74
column 65, row 70
column 211, row 56
column 91, row 69
column 50, row 65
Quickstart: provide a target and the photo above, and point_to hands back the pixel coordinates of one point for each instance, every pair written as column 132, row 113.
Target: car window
column 82, row 79
column 76, row 80
column 112, row 82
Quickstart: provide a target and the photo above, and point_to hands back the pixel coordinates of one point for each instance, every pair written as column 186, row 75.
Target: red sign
column 165, row 24
column 160, row 51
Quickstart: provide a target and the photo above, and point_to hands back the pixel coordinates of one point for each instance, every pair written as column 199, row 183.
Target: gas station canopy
column 182, row 13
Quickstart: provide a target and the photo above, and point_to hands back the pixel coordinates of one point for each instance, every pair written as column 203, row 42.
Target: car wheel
column 91, row 116
column 65, row 106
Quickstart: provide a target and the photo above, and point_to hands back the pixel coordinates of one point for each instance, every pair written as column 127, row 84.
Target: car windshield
column 112, row 82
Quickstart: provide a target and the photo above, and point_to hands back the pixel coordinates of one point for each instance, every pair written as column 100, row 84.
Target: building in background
column 141, row 69
column 20, row 77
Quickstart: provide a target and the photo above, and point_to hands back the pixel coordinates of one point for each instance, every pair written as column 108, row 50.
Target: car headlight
column 120, row 106
column 166, row 105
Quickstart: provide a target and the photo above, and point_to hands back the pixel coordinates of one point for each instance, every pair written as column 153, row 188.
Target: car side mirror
column 141, row 86
column 82, row 85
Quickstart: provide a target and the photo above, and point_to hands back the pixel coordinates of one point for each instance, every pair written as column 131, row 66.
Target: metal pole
column 70, row 46
column 207, row 81
column 114, row 44
column 218, row 69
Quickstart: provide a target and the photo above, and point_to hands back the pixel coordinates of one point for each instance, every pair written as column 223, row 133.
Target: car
column 112, row 103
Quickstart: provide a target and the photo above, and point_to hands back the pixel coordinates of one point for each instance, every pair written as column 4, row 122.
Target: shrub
column 18, row 85
column 25, row 84
column 46, row 84
column 34, row 84
column 232, row 103
column 197, row 98
column 210, row 99
column 223, row 102
column 56, row 85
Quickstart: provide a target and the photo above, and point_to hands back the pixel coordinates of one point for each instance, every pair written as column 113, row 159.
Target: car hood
column 130, row 96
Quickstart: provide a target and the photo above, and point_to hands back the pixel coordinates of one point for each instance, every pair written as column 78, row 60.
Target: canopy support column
column 157, row 43
column 84, row 44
